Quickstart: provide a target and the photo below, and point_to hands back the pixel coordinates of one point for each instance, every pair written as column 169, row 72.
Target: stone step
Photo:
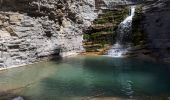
column 22, row 29
column 13, row 50
column 18, row 41
column 2, row 65
column 167, row 60
column 1, row 60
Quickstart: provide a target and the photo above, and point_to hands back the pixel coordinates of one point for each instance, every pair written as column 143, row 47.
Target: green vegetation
column 114, row 17
column 99, row 37
column 97, row 41
column 103, row 29
column 138, row 37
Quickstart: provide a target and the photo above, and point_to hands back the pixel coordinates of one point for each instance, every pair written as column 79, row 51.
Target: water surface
column 83, row 77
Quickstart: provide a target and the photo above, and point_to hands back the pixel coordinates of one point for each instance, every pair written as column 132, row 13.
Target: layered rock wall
column 111, row 4
column 157, row 27
column 33, row 29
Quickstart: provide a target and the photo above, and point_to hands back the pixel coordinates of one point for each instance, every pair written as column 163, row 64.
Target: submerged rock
column 18, row 98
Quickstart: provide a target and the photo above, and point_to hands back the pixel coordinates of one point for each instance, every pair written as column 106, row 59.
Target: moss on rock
column 103, row 30
column 138, row 36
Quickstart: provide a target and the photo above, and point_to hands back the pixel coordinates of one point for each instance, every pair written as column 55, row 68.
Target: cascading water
column 123, row 39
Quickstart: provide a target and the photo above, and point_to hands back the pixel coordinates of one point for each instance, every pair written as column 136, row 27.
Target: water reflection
column 88, row 77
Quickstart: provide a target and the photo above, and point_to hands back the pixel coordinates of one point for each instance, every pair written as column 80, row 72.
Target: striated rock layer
column 33, row 29
column 157, row 27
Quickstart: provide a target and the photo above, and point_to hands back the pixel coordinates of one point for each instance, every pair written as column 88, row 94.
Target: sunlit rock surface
column 31, row 30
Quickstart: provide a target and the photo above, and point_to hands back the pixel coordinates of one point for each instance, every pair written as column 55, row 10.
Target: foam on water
column 119, row 49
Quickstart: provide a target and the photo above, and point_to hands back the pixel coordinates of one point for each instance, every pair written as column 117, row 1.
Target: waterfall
column 123, row 38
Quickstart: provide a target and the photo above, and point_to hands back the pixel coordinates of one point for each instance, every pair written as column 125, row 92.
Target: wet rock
column 168, row 98
column 156, row 27
column 18, row 98
column 2, row 65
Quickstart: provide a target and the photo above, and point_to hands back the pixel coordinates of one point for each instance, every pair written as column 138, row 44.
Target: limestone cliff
column 33, row 29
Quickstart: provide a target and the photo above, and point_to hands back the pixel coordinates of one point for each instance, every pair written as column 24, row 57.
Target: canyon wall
column 156, row 24
column 33, row 29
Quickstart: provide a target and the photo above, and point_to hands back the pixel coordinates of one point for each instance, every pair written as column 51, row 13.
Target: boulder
column 18, row 98
column 4, row 34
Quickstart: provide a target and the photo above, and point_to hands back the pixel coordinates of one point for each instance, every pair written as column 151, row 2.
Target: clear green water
column 83, row 77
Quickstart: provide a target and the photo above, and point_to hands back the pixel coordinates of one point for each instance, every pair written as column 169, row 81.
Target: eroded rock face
column 157, row 27
column 33, row 29
column 111, row 4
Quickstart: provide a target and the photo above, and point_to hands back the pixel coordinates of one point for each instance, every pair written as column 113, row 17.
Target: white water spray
column 122, row 40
